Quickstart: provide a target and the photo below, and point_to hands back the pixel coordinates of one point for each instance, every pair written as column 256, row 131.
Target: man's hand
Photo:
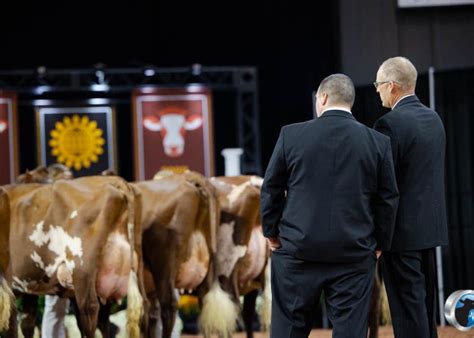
column 378, row 253
column 274, row 243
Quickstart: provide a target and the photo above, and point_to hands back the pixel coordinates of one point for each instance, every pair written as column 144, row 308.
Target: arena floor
column 385, row 332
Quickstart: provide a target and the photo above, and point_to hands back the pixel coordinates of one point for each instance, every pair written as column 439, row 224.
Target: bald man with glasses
column 418, row 147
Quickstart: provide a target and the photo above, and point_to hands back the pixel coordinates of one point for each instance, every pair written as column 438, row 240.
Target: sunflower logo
column 77, row 142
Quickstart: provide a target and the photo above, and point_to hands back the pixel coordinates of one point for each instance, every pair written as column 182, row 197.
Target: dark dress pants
column 296, row 289
column 410, row 281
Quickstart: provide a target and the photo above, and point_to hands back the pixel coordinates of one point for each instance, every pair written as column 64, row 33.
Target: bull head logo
column 172, row 123
column 3, row 126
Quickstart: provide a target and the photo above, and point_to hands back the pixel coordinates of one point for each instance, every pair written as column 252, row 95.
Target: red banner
column 8, row 138
column 173, row 130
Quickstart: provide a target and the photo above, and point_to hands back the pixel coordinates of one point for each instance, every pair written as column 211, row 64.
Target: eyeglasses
column 377, row 84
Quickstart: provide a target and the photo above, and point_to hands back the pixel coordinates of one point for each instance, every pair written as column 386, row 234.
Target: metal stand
column 39, row 83
column 439, row 262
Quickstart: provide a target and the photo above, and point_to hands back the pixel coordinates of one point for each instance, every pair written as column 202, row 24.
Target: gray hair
column 339, row 88
column 400, row 70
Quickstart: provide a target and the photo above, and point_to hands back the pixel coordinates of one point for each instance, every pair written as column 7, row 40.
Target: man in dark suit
column 328, row 201
column 418, row 147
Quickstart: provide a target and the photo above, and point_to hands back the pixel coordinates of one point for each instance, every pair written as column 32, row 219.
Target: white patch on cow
column 256, row 181
column 60, row 243
column 227, row 252
column 37, row 235
column 236, row 192
column 20, row 285
column 73, row 214
column 38, row 260
column 215, row 180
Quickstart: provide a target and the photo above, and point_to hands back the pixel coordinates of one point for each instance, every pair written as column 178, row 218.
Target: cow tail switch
column 134, row 306
column 6, row 303
column 219, row 313
column 134, row 297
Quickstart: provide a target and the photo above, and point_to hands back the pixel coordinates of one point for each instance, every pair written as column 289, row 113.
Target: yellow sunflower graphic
column 77, row 142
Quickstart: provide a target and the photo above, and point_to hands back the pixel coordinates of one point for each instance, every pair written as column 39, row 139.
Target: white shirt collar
column 401, row 99
column 336, row 108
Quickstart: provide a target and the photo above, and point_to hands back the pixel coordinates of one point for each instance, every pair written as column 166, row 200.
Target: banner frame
column 70, row 107
column 13, row 129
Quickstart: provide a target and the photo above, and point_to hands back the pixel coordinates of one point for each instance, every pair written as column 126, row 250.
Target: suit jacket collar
column 336, row 112
column 406, row 100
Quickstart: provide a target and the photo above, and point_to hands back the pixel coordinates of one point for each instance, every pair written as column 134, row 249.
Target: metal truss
column 41, row 82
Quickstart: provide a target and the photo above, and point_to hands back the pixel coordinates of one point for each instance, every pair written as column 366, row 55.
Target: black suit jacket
column 418, row 146
column 329, row 192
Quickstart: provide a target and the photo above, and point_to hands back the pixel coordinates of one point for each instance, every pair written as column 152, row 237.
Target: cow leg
column 168, row 304
column 28, row 323
column 12, row 331
column 76, row 314
column 154, row 317
column 248, row 312
column 87, row 303
column 164, row 273
column 104, row 322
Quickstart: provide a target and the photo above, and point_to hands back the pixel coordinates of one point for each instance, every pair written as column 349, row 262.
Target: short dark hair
column 340, row 89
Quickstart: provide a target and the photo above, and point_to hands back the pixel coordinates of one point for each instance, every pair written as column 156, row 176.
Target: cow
column 76, row 238
column 50, row 174
column 242, row 250
column 180, row 216
column 42, row 174
column 172, row 123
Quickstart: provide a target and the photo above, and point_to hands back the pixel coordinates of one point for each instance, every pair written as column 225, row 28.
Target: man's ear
column 325, row 98
column 392, row 86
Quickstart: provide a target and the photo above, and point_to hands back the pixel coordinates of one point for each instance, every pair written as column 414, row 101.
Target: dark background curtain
column 454, row 102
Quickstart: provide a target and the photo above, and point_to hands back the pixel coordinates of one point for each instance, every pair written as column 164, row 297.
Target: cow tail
column 219, row 313
column 266, row 309
column 134, row 297
column 214, row 217
column 385, row 310
column 134, row 306
column 208, row 194
column 6, row 304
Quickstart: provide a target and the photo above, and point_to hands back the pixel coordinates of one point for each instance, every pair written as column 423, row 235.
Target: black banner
column 82, row 138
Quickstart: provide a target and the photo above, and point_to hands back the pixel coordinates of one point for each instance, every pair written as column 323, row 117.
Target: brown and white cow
column 180, row 215
column 172, row 123
column 242, row 250
column 76, row 238
column 42, row 174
